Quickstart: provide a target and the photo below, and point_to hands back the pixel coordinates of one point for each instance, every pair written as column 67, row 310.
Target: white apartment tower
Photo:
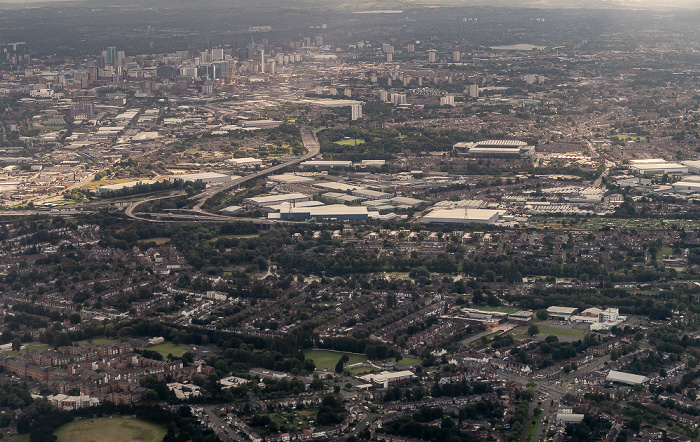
column 355, row 112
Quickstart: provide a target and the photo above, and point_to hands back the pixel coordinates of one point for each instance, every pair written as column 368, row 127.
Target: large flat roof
column 275, row 198
column 462, row 215
column 200, row 176
column 493, row 144
column 626, row 378
column 562, row 310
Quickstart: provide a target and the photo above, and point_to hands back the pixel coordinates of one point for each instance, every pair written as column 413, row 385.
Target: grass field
column 169, row 348
column 115, row 429
column 519, row 332
column 560, row 331
column 35, row 346
column 247, row 236
column 531, row 435
column 664, row 251
column 326, row 359
column 409, row 361
column 361, row 370
column 296, row 419
column 350, row 142
column 97, row 341
column 30, row 347
column 16, row 438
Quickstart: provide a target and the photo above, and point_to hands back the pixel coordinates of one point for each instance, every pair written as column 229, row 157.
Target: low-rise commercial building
column 564, row 313
column 626, row 378
column 387, row 378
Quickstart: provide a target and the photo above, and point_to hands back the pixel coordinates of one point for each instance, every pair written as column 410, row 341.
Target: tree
column 542, row 314
column 16, row 344
column 533, row 330
column 341, row 363
column 150, row 396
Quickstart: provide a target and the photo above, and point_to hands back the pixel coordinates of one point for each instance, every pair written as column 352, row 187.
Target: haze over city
column 330, row 220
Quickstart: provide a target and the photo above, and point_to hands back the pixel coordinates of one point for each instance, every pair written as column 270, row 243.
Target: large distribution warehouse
column 339, row 212
column 463, row 216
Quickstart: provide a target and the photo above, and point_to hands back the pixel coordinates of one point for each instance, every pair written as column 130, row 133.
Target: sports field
column 326, row 359
column 350, row 142
column 169, row 348
column 114, row 429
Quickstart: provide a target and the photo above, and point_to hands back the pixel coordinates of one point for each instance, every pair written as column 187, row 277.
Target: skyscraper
column 111, row 56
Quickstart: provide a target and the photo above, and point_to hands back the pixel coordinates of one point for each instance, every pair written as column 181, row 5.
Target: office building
column 110, row 56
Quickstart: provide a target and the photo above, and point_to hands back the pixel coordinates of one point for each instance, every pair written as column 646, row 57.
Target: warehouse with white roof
column 272, row 200
column 463, row 216
column 656, row 166
column 338, row 212
column 626, row 378
column 243, row 162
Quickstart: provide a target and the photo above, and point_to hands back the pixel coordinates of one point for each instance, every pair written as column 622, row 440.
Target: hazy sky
column 625, row 4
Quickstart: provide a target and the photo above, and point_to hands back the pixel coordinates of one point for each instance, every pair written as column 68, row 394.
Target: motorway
column 308, row 137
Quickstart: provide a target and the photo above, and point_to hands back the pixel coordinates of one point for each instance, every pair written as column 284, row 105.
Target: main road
column 308, row 137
